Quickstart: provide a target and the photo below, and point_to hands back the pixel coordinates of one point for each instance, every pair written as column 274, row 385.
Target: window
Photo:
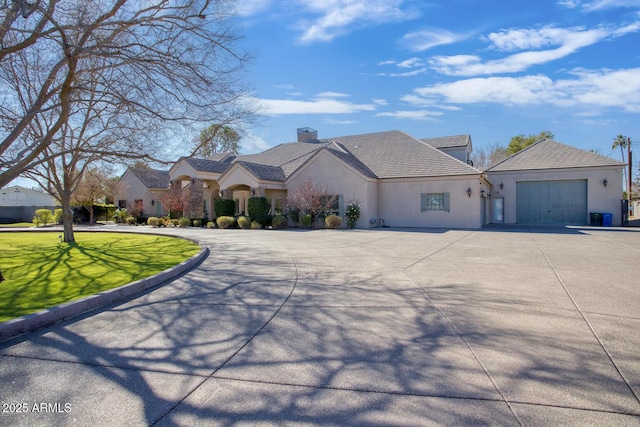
column 122, row 204
column 434, row 202
column 277, row 206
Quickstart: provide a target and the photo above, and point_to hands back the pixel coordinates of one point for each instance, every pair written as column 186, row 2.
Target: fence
column 10, row 214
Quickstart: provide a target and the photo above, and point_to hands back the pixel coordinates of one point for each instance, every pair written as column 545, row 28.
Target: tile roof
column 288, row 156
column 152, row 178
column 548, row 154
column 270, row 173
column 394, row 154
column 204, row 165
column 448, row 141
column 222, row 157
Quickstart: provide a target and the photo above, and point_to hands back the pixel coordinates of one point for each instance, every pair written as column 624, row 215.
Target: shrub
column 153, row 221
column 279, row 222
column 255, row 225
column 225, row 221
column 162, row 222
column 197, row 223
column 130, row 220
column 244, row 222
column 211, row 224
column 184, row 222
column 258, row 209
column 57, row 216
column 42, row 216
column 225, row 207
column 121, row 215
column 352, row 212
column 294, row 214
column 305, row 220
column 175, row 222
column 333, row 221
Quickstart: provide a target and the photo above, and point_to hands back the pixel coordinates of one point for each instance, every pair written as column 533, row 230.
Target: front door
column 498, row 210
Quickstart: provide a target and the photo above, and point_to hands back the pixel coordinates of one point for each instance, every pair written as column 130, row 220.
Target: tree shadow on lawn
column 345, row 350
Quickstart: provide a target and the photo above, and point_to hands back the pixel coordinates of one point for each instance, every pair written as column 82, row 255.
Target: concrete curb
column 48, row 317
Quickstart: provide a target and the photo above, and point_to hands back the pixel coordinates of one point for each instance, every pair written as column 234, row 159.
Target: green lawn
column 41, row 272
column 17, row 224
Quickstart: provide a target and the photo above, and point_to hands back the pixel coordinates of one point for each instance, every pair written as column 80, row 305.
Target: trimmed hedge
column 333, row 221
column 225, row 207
column 244, row 222
column 279, row 222
column 258, row 209
column 225, row 221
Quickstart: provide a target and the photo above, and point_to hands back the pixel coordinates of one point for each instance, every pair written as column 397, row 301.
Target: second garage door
column 551, row 202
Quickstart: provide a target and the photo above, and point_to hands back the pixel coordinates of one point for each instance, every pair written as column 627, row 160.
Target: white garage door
column 551, row 202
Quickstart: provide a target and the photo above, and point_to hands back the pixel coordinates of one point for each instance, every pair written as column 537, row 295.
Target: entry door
column 498, row 210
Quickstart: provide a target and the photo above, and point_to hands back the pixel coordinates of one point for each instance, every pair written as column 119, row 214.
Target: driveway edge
column 31, row 322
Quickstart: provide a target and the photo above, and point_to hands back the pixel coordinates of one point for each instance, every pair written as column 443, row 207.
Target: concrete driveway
column 353, row 327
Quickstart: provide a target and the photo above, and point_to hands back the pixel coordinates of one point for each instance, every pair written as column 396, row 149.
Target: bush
column 153, row 221
column 305, row 220
column 42, row 216
column 352, row 212
column 162, row 222
column 258, row 209
column 279, row 222
column 211, row 224
column 225, row 221
column 255, row 225
column 333, row 221
column 130, row 220
column 244, row 222
column 197, row 223
column 294, row 214
column 184, row 222
column 57, row 216
column 121, row 215
column 225, row 207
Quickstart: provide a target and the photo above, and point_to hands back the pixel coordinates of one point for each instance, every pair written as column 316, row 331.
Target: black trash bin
column 596, row 218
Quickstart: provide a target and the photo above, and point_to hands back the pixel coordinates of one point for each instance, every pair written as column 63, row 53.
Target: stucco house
column 399, row 181
column 144, row 186
column 549, row 183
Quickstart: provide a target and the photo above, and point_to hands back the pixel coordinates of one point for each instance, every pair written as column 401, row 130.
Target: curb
column 31, row 322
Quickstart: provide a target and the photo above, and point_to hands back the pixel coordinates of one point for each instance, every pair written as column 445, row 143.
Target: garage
column 551, row 202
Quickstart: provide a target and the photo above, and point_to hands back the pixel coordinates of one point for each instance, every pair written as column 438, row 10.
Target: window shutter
column 341, row 205
column 423, row 202
column 446, row 202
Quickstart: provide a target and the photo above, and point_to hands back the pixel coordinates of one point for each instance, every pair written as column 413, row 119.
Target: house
column 549, row 183
column 398, row 180
column 143, row 187
column 401, row 181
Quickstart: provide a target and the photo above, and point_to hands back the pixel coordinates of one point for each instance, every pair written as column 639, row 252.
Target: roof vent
column 307, row 135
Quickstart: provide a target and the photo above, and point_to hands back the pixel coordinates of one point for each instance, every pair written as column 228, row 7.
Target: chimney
column 307, row 135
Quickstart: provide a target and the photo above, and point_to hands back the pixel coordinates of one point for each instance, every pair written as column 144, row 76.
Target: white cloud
column 251, row 7
column 407, row 74
column 252, row 144
column 339, row 17
column 568, row 41
column 425, row 39
column 602, row 88
column 596, row 5
column 318, row 105
column 380, row 101
column 332, row 95
column 412, row 114
column 411, row 63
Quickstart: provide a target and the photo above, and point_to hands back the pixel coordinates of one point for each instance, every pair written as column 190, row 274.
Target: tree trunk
column 67, row 219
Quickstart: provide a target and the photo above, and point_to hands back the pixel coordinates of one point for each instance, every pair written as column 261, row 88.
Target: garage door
column 551, row 202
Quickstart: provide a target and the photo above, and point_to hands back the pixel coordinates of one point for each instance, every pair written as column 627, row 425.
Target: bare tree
column 310, row 197
column 485, row 157
column 174, row 199
column 91, row 189
column 167, row 66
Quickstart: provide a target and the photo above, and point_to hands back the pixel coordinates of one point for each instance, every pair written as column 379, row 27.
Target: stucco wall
column 599, row 197
column 340, row 178
column 130, row 188
column 400, row 202
column 19, row 196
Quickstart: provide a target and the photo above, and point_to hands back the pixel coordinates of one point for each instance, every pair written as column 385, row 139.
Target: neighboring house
column 21, row 196
column 19, row 203
column 401, row 181
column 145, row 186
column 549, row 183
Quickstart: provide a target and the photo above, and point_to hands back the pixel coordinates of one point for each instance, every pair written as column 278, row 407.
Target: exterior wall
column 340, row 178
column 237, row 176
column 20, row 196
column 400, row 202
column 130, row 188
column 460, row 153
column 599, row 198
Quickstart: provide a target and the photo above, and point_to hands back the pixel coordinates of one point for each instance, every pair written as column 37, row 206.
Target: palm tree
column 621, row 141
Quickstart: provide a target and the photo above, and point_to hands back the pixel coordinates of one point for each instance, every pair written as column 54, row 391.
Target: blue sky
column 491, row 69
